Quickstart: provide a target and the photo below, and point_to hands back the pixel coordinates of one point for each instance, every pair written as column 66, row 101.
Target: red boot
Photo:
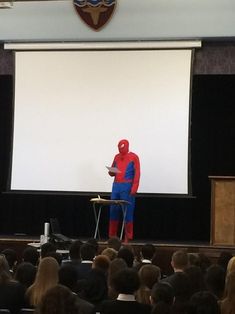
column 128, row 231
column 113, row 228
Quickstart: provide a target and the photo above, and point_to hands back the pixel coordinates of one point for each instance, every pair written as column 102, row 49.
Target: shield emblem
column 95, row 13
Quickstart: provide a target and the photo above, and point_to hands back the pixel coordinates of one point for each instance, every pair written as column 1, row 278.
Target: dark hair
column 31, row 255
column 60, row 300
column 57, row 256
column 148, row 251
column 11, row 257
column 95, row 243
column 87, row 252
column 196, row 278
column 114, row 243
column 68, row 276
column 74, row 250
column 224, row 258
column 47, row 248
column 127, row 255
column 25, row 274
column 125, row 281
column 162, row 292
column 203, row 302
column 215, row 280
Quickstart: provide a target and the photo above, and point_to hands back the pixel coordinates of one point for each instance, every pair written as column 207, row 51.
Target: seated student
column 68, row 277
column 128, row 256
column 115, row 265
column 74, row 254
column 114, row 243
column 60, row 300
column 227, row 304
column 11, row 292
column 203, row 302
column 149, row 275
column 31, row 255
column 162, row 298
column 95, row 289
column 126, row 283
column 25, row 274
column 46, row 277
column 147, row 252
column 215, row 280
column 47, row 248
column 11, row 258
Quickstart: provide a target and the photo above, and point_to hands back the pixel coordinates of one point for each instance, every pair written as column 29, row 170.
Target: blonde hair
column 231, row 265
column 110, row 253
column 46, row 277
column 228, row 304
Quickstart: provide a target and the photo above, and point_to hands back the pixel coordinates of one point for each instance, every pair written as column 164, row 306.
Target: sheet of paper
column 113, row 169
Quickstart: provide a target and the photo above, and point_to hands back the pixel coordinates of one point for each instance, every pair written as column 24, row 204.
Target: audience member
column 31, row 255
column 56, row 255
column 87, row 254
column 193, row 259
column 215, row 280
column 149, row 275
column 95, row 244
column 196, row 278
column 114, row 243
column 224, row 258
column 25, row 274
column 46, row 277
column 68, row 277
column 126, row 283
column 227, row 305
column 110, row 253
column 116, row 265
column 204, row 262
column 11, row 292
column 162, row 298
column 47, row 248
column 126, row 254
column 231, row 266
column 74, row 253
column 203, row 302
column 11, row 258
column 58, row 300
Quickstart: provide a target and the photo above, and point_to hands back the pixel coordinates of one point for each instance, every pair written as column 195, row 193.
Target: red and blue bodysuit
column 125, row 186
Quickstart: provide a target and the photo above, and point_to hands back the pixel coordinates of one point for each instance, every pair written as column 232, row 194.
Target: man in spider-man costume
column 125, row 185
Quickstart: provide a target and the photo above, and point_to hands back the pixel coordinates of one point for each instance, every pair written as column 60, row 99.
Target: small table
column 104, row 202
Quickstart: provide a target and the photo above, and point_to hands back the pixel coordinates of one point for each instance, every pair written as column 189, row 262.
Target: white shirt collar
column 126, row 297
column 86, row 262
column 146, row 261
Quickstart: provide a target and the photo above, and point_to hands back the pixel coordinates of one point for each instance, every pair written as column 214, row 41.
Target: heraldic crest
column 95, row 13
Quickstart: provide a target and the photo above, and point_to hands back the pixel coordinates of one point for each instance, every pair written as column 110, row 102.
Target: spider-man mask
column 123, row 147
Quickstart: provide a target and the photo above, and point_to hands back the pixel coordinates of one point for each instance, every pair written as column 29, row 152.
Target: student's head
column 101, row 262
column 74, row 250
column 114, row 243
column 203, row 302
column 60, row 300
column 149, row 275
column 215, row 280
column 68, row 276
column 31, row 255
column 110, row 253
column 47, row 248
column 179, row 260
column 125, row 281
column 87, row 252
column 11, row 257
column 147, row 251
column 231, row 265
column 25, row 274
column 162, row 292
column 126, row 254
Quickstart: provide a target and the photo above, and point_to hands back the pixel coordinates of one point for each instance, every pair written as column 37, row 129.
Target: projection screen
column 72, row 107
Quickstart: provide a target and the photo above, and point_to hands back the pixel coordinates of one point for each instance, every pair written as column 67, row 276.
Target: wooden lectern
column 222, row 210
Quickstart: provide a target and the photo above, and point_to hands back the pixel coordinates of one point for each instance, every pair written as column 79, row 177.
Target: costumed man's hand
column 112, row 174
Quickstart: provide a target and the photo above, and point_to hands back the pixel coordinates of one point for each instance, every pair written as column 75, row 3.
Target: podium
column 222, row 210
column 99, row 203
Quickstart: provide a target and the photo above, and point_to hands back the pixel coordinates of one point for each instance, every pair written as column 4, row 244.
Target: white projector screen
column 72, row 107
